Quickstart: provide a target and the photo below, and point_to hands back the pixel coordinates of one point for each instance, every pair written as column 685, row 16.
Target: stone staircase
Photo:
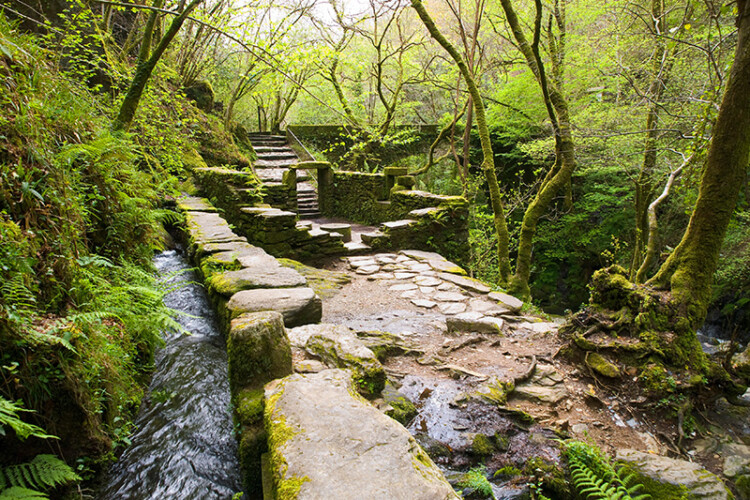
column 274, row 158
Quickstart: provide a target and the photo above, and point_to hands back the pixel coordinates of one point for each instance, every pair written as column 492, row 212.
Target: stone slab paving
column 430, row 281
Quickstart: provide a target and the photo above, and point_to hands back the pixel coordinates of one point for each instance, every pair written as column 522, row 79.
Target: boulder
column 339, row 347
column 299, row 306
column 326, row 442
column 506, row 300
column 202, row 94
column 671, row 479
column 231, row 282
column 474, row 322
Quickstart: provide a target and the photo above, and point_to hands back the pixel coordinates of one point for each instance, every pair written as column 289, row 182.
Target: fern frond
column 18, row 493
column 44, row 471
column 9, row 417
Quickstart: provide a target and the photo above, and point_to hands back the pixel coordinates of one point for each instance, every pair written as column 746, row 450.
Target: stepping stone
column 418, row 267
column 402, row 258
column 385, row 259
column 452, row 307
column 446, row 266
column 368, row 269
column 362, row 263
column 427, row 290
column 209, row 228
column 304, row 224
column 343, row 229
column 466, row 283
column 398, row 224
column 380, row 276
column 506, row 300
column 299, row 306
column 356, row 246
column 427, row 304
column 546, row 385
column 404, row 276
column 342, row 445
column 409, row 294
column 392, row 256
column 450, row 296
column 427, row 281
column 404, row 287
column 448, row 287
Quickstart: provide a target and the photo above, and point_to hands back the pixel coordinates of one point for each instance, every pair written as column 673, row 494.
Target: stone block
column 299, row 306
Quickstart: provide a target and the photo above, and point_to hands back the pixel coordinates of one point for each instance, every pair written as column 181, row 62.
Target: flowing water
column 183, row 447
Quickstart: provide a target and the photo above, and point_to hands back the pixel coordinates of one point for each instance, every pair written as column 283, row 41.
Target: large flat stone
column 209, row 228
column 695, row 481
column 422, row 255
column 326, row 442
column 339, row 347
column 239, row 248
column 474, row 322
column 195, row 204
column 299, row 306
column 466, row 283
column 446, row 266
column 249, row 278
column 506, row 300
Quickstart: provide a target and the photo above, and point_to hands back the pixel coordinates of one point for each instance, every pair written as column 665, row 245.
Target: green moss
column 657, row 490
column 743, row 487
column 279, row 433
column 602, row 365
column 249, row 406
column 507, row 472
column 656, row 380
column 476, row 480
column 482, row 446
column 498, row 391
column 325, row 283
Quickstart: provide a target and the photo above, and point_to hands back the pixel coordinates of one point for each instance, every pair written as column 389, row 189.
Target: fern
column 18, row 493
column 594, row 477
column 44, row 471
column 9, row 417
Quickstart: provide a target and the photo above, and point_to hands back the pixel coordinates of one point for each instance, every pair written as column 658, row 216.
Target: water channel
column 183, row 446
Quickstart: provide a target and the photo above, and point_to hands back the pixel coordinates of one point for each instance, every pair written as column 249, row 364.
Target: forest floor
column 449, row 369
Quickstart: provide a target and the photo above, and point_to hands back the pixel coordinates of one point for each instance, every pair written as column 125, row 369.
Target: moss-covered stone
column 742, row 484
column 602, row 365
column 402, row 410
column 202, row 94
column 258, row 350
column 482, row 446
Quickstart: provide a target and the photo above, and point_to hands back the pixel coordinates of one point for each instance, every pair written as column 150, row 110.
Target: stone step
column 253, row 137
column 353, row 247
column 280, row 155
column 276, row 163
column 272, row 149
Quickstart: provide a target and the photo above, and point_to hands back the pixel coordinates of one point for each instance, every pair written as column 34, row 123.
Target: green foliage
column 44, row 471
column 476, row 479
column 9, row 417
column 594, row 476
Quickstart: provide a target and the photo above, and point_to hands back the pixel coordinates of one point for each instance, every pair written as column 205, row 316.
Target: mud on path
column 448, row 369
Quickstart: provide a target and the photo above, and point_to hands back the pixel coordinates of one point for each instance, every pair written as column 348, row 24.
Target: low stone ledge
column 195, row 204
column 249, row 278
column 299, row 306
column 327, row 442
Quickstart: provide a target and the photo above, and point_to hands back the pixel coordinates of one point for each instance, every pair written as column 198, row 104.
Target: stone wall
column 407, row 218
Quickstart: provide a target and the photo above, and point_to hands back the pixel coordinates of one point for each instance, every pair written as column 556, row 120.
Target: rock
column 404, row 276
column 466, row 283
column 736, row 459
column 239, row 248
column 401, row 409
column 398, row 224
column 209, row 228
column 451, row 307
column 345, row 230
column 448, row 287
column 418, row 267
column 450, row 297
column 670, row 478
column 258, row 351
column 309, row 366
column 366, row 262
column 231, row 282
column 299, row 306
column 365, row 270
column 427, row 281
column 546, row 385
column 339, row 347
column 741, row 363
column 602, row 365
column 202, row 94
column 474, row 322
column 579, row 429
column 427, row 304
column 403, row 287
column 381, row 276
column 506, row 300
column 409, row 294
column 446, row 267
column 195, row 204
column 325, row 442
column 421, row 255
column 487, row 308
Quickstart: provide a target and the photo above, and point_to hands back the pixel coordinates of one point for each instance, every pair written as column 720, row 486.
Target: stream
column 183, row 446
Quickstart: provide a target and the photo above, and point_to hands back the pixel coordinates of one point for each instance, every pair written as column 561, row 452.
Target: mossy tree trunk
column 559, row 176
column 688, row 272
column 488, row 158
column 146, row 66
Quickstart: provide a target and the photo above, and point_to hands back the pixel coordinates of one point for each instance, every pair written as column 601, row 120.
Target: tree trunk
column 565, row 162
column 145, row 68
column 688, row 272
column 488, row 158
